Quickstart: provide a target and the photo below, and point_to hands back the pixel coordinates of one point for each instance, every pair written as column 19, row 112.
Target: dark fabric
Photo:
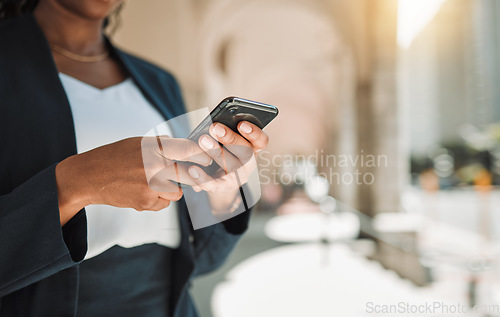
column 127, row 282
column 39, row 261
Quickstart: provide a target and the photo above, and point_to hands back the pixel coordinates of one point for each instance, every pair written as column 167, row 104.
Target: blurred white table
column 311, row 227
column 312, row 280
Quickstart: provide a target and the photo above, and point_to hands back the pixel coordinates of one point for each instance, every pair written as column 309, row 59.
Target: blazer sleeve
column 33, row 245
column 213, row 253
column 213, row 244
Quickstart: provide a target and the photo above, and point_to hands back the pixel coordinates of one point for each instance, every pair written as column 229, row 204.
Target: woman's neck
column 69, row 30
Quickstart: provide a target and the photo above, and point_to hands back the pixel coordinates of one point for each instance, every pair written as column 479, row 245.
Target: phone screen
column 232, row 111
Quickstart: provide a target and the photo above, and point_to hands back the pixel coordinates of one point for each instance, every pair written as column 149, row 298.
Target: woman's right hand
column 115, row 174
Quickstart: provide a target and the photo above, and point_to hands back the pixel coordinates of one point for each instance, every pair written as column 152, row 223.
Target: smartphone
column 233, row 110
column 230, row 112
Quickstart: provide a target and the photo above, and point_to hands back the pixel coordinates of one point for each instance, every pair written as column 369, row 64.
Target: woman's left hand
column 237, row 158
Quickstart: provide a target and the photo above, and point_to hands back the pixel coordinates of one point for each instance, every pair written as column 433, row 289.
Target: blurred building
column 450, row 71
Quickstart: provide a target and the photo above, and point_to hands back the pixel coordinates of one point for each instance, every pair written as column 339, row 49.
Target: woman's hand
column 115, row 174
column 236, row 158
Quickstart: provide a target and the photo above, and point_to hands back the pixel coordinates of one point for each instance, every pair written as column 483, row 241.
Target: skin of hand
column 115, row 175
column 236, row 158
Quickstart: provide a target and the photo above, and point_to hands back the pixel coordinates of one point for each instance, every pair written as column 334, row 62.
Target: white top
column 103, row 116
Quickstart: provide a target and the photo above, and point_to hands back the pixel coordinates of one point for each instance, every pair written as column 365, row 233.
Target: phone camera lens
column 233, row 110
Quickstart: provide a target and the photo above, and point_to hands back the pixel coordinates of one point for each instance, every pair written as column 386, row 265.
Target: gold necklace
column 79, row 58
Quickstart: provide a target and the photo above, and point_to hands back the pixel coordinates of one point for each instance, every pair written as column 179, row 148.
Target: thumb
column 183, row 150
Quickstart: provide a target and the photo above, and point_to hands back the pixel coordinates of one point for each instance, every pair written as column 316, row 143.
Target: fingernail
column 207, row 143
column 219, row 130
column 193, row 172
column 245, row 128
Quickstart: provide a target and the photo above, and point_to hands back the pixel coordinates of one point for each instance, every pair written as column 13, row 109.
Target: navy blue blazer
column 39, row 260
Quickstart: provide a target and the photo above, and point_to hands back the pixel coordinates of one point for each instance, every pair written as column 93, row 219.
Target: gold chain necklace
column 79, row 58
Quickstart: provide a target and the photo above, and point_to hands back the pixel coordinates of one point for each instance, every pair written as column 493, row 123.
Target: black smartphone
column 233, row 110
column 230, row 112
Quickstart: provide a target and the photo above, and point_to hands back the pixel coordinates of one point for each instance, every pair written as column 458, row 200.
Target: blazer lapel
column 41, row 124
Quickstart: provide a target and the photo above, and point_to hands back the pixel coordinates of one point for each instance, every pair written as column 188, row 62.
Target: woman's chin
column 91, row 9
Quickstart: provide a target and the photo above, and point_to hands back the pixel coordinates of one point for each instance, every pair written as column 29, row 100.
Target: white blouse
column 103, row 116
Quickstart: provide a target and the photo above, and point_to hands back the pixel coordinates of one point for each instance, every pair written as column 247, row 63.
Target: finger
column 224, row 184
column 221, row 156
column 234, row 142
column 160, row 204
column 167, row 179
column 254, row 135
column 203, row 180
column 182, row 150
column 234, row 179
column 172, row 195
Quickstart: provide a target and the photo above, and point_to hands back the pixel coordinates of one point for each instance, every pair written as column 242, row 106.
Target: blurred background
column 380, row 185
